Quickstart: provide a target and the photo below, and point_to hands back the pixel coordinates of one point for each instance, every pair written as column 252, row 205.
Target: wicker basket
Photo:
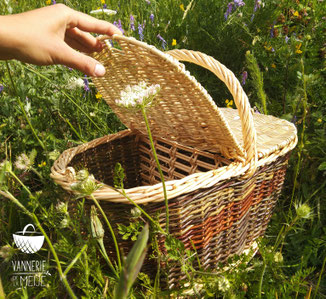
column 224, row 168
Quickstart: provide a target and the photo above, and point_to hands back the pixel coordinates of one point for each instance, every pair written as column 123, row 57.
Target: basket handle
column 239, row 96
column 26, row 226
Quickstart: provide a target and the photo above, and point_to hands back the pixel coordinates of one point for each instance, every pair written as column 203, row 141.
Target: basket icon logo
column 28, row 241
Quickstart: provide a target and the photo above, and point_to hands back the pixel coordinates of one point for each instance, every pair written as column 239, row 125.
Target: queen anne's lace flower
column 23, row 162
column 137, row 96
column 106, row 11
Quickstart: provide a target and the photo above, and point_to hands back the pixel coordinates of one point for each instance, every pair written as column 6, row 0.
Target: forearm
column 9, row 37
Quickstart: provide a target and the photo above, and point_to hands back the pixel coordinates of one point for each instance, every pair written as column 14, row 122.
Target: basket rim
column 65, row 176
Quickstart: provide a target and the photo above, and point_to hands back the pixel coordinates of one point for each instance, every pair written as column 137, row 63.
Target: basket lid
column 185, row 112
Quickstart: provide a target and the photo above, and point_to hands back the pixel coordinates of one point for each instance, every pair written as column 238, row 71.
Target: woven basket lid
column 185, row 112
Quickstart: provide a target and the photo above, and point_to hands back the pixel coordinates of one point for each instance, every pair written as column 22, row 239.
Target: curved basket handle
column 26, row 226
column 239, row 96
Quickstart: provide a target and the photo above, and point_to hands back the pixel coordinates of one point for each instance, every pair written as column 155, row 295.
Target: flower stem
column 111, row 230
column 158, row 167
column 22, row 107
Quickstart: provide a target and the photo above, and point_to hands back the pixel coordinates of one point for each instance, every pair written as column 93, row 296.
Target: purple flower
column 257, row 5
column 1, row 88
column 86, row 84
column 271, row 32
column 118, row 24
column 152, row 17
column 244, row 77
column 54, row 2
column 140, row 31
column 238, row 3
column 105, row 6
column 132, row 23
column 228, row 10
column 148, row 2
column 162, row 40
column 286, row 39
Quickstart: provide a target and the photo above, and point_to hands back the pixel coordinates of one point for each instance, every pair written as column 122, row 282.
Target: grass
column 41, row 116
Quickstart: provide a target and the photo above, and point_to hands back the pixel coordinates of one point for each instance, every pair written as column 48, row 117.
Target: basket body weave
column 221, row 193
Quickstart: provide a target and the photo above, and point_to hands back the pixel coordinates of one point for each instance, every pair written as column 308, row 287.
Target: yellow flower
column 98, row 96
column 103, row 1
column 298, row 46
column 182, row 7
column 296, row 14
column 42, row 164
column 229, row 104
column 268, row 48
column 174, row 42
column 273, row 66
column 48, row 2
column 319, row 120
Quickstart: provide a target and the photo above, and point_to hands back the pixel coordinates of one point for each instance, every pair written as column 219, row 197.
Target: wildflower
column 174, row 42
column 223, row 284
column 86, row 186
column 229, row 103
column 278, row 257
column 64, row 223
column 303, row 211
column 273, row 65
column 271, row 32
column 137, row 96
column 182, row 7
column 1, row 88
column 298, row 48
column 244, row 77
column 62, row 207
column 319, row 120
column 140, row 31
column 162, row 40
column 23, row 162
column 74, row 83
column 286, row 39
column 42, row 164
column 96, row 225
column 82, row 175
column 239, row 3
column 86, row 84
column 148, row 2
column 48, row 2
column 135, row 212
column 228, row 10
column 100, row 11
column 152, row 17
column 98, row 96
column 105, row 6
column 296, row 14
column 92, row 114
column 257, row 5
column 118, row 24
column 132, row 23
column 54, row 2
column 103, row 1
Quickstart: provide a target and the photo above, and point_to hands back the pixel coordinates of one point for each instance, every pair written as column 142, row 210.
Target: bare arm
column 51, row 35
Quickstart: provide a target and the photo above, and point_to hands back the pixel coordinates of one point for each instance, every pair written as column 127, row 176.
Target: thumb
column 74, row 59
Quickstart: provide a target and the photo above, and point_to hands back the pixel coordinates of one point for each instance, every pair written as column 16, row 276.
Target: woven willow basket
column 224, row 168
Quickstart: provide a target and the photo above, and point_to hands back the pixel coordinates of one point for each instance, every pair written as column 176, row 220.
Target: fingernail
column 99, row 70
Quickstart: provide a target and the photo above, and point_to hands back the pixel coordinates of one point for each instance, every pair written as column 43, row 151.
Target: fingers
column 82, row 41
column 91, row 24
column 79, row 61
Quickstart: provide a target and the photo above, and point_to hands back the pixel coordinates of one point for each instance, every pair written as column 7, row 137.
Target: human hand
column 50, row 35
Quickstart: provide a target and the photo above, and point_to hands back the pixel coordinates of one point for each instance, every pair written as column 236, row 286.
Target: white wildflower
column 74, row 83
column 92, row 114
column 223, row 284
column 108, row 12
column 137, row 96
column 23, row 162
